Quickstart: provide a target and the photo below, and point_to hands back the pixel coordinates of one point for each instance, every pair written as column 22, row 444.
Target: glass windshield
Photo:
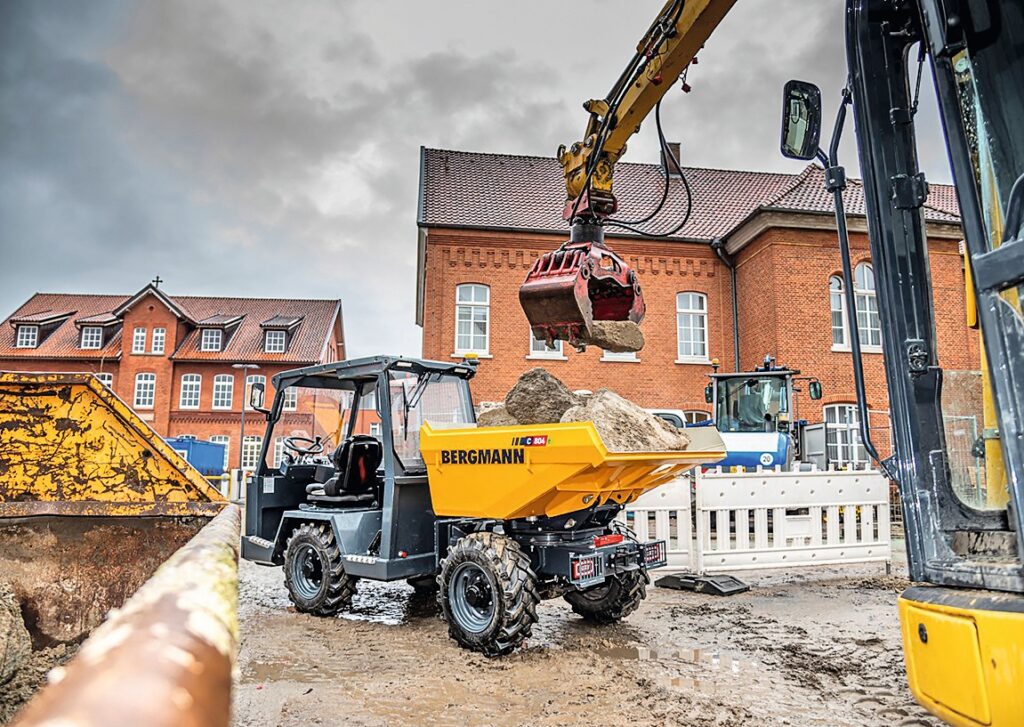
column 751, row 405
column 310, row 413
column 437, row 398
column 990, row 81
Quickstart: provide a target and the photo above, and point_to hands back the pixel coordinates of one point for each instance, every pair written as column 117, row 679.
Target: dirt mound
column 495, row 416
column 616, row 336
column 15, row 643
column 539, row 398
column 625, row 427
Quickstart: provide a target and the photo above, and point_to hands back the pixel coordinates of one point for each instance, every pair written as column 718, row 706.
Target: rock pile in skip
column 540, row 398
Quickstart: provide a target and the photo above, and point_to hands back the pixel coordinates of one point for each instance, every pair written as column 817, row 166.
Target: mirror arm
column 835, row 182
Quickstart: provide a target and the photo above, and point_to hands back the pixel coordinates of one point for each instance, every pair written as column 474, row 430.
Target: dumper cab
column 374, row 468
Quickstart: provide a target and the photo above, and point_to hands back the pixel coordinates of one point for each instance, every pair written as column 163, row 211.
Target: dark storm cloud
column 256, row 148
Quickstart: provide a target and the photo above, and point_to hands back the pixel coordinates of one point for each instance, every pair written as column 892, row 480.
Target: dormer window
column 92, row 337
column 211, row 340
column 274, row 342
column 27, row 337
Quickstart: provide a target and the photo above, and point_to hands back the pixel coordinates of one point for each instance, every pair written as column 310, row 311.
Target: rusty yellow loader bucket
column 92, row 501
column 515, row 472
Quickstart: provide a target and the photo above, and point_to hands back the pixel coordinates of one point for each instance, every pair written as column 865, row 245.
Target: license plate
column 655, row 553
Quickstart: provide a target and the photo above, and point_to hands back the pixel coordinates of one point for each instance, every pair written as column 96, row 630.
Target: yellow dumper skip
column 514, row 472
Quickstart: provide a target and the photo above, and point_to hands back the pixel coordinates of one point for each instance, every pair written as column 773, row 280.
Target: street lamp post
column 245, row 367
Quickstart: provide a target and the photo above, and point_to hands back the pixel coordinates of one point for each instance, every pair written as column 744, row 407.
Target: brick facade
column 778, row 231
column 320, row 342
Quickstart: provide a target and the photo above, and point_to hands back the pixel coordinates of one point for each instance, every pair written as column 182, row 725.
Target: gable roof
column 245, row 343
column 508, row 192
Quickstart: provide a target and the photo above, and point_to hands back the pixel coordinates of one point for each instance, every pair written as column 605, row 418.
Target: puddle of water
column 292, row 670
column 390, row 604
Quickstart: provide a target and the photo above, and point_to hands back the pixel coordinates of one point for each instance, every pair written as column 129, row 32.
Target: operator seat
column 355, row 480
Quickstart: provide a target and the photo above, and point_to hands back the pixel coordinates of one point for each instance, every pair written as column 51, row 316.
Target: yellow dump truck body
column 545, row 470
column 92, row 501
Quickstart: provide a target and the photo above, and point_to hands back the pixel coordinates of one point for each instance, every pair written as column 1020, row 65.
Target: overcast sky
column 236, row 147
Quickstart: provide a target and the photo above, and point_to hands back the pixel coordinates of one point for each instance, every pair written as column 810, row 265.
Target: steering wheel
column 316, row 446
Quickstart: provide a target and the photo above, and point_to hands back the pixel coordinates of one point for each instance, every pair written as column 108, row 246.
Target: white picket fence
column 767, row 519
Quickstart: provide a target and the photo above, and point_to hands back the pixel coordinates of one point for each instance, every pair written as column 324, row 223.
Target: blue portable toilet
column 207, row 457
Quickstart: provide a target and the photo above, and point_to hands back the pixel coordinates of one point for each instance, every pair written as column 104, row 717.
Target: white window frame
column 866, row 301
column 249, row 381
column 211, row 339
column 472, row 308
column 194, row 394
column 251, row 446
column 375, row 430
column 145, row 390
column 139, row 340
column 278, row 452
column 92, row 338
column 291, row 399
column 226, row 441
column 842, row 436
column 837, row 304
column 223, row 390
column 541, row 350
column 27, row 336
column 693, row 416
column 623, row 357
column 159, row 340
column 700, row 314
column 281, row 342
column 107, row 379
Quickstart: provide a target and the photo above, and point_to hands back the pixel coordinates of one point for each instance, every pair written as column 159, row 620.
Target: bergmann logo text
column 483, row 456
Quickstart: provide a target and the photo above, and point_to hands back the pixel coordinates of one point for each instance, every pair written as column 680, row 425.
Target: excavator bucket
column 577, row 284
column 92, row 501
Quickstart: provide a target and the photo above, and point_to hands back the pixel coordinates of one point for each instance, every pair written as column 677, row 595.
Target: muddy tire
column 612, row 600
column 313, row 572
column 488, row 594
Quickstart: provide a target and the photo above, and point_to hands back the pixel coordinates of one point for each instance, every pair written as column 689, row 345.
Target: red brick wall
column 783, row 311
column 502, row 260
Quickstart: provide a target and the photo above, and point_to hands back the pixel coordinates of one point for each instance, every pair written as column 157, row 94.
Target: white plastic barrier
column 667, row 508
column 774, row 519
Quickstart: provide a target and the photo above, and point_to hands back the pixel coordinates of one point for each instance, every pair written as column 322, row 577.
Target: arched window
column 838, row 306
column 145, row 390
column 868, row 323
column 191, row 385
column 472, row 318
column 692, row 326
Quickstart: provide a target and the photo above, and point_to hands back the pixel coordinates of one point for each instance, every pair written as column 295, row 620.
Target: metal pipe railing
column 165, row 658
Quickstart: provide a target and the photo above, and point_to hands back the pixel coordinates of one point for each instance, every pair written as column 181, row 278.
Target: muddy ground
column 811, row 647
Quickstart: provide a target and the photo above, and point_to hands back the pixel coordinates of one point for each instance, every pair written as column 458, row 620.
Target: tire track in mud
column 866, row 672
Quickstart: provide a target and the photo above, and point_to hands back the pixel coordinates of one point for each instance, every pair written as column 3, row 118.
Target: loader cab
column 342, row 439
column 756, row 414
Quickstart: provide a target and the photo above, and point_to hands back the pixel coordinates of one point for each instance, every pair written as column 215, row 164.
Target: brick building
column 484, row 218
column 177, row 359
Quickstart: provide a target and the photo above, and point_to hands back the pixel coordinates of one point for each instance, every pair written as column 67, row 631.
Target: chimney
column 665, row 163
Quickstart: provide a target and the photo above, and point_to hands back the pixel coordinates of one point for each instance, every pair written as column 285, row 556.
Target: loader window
column 417, row 398
column 318, row 412
column 751, row 405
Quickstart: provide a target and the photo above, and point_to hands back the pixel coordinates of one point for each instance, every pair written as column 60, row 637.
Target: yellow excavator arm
column 662, row 56
column 583, row 292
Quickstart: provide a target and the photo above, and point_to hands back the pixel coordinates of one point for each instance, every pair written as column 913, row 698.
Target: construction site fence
column 719, row 521
column 165, row 658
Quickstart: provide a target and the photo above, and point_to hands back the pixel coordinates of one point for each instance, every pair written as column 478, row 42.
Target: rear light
column 655, row 553
column 602, row 540
column 585, row 568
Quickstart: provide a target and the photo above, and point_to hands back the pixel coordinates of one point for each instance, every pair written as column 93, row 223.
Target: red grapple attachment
column 579, row 283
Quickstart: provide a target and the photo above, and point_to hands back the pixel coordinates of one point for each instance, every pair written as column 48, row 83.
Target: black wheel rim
column 471, row 597
column 307, row 572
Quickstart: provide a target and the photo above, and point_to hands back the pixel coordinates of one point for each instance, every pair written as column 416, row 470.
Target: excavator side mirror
column 814, row 389
column 709, row 394
column 801, row 120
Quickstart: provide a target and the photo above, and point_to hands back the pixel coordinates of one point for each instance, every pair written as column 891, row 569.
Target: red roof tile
column 500, row 191
column 244, row 344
